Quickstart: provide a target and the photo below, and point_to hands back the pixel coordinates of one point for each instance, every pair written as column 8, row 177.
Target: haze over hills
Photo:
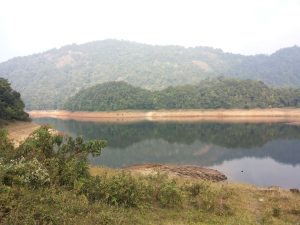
column 47, row 80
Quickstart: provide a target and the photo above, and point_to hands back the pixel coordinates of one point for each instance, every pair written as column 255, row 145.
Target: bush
column 6, row 146
column 164, row 190
column 209, row 197
column 28, row 173
column 276, row 212
column 63, row 157
column 122, row 189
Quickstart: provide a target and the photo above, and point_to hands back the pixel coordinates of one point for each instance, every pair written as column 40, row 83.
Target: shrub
column 21, row 172
column 209, row 197
column 276, row 212
column 164, row 190
column 6, row 146
column 122, row 189
column 65, row 158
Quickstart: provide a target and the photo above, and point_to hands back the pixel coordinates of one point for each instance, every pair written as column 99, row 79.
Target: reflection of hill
column 160, row 151
column 225, row 135
column 204, row 144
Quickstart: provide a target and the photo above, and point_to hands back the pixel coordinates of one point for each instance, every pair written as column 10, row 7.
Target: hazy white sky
column 239, row 26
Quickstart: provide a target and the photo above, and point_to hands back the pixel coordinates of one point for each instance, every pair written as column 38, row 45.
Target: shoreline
column 274, row 115
column 18, row 131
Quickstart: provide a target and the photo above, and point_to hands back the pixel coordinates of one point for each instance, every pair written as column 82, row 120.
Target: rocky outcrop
column 185, row 171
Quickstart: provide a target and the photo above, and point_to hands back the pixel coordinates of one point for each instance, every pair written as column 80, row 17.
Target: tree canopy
column 208, row 94
column 11, row 105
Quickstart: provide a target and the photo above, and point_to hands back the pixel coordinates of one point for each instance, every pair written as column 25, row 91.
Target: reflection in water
column 268, row 154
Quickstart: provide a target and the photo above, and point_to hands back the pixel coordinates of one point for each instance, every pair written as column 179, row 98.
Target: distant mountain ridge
column 281, row 68
column 48, row 79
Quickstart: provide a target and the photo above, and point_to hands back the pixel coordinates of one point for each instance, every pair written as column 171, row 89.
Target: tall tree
column 11, row 105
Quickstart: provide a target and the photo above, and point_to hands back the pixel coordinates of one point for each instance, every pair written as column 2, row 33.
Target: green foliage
column 6, row 146
column 11, row 105
column 29, row 173
column 124, row 189
column 209, row 94
column 120, row 190
column 47, row 80
column 205, row 196
column 166, row 191
column 276, row 211
column 111, row 96
column 46, row 158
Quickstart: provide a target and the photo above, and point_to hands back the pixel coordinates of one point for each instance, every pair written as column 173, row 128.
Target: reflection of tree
column 225, row 135
column 160, row 151
column 202, row 144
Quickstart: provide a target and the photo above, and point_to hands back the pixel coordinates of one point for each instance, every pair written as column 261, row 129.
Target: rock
column 179, row 171
column 294, row 190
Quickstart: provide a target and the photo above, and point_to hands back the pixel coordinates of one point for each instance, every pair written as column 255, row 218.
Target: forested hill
column 11, row 105
column 208, row 94
column 279, row 69
column 46, row 80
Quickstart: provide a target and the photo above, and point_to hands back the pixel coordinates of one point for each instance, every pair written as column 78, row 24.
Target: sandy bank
column 288, row 115
column 18, row 131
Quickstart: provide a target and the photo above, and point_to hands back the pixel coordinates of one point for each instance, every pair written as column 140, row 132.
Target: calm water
column 268, row 154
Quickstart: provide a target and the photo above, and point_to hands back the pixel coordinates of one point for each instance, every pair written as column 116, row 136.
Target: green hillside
column 47, row 79
column 11, row 105
column 111, row 96
column 280, row 69
column 217, row 93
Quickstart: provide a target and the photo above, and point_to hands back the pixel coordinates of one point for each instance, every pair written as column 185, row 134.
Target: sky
column 238, row 26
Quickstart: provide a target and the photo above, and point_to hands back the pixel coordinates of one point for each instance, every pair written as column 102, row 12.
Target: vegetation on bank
column 209, row 94
column 46, row 180
column 39, row 77
column 11, row 105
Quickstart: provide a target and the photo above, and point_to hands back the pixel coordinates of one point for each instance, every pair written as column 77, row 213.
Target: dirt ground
column 19, row 131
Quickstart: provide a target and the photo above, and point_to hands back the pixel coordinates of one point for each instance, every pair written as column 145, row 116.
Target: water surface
column 261, row 154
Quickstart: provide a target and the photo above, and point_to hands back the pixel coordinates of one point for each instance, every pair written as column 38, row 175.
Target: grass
column 179, row 201
column 220, row 203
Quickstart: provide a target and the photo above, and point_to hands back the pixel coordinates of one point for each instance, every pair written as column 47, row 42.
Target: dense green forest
column 11, row 105
column 208, row 94
column 46, row 80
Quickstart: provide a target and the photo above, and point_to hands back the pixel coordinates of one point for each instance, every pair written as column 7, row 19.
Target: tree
column 11, row 105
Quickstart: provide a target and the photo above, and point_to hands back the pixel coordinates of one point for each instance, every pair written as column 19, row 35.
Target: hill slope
column 46, row 80
column 110, row 96
column 281, row 68
column 217, row 93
